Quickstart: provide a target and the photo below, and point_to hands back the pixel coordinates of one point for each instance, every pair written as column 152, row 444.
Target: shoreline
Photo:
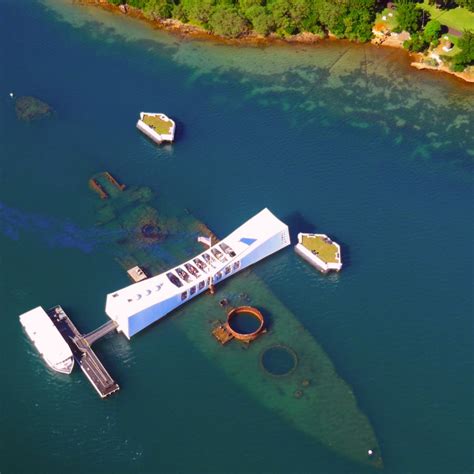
column 185, row 30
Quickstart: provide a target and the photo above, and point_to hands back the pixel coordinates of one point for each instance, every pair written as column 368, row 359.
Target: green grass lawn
column 458, row 18
column 163, row 127
column 325, row 251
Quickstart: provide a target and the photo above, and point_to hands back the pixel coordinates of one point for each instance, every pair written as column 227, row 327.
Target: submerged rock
column 29, row 108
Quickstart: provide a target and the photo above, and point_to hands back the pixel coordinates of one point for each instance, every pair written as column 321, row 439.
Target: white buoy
column 11, row 95
column 370, row 452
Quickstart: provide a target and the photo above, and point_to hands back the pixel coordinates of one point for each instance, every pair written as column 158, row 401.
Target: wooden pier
column 82, row 351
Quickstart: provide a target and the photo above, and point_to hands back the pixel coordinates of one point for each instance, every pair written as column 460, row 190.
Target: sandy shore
column 418, row 63
column 252, row 39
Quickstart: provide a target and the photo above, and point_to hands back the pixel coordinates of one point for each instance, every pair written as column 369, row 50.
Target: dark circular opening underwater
column 244, row 323
column 150, row 231
column 279, row 360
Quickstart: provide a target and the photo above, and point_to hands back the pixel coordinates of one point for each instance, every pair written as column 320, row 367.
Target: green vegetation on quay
column 320, row 246
column 454, row 17
column 351, row 19
column 158, row 124
column 427, row 23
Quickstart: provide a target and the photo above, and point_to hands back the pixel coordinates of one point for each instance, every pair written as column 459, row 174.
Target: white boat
column 139, row 305
column 48, row 340
column 156, row 126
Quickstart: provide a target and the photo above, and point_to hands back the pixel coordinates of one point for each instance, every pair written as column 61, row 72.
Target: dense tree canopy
column 466, row 56
column 432, row 31
column 408, row 16
column 416, row 43
column 351, row 19
column 158, row 9
column 469, row 4
column 227, row 21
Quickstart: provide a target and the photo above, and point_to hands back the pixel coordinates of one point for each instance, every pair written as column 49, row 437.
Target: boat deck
column 83, row 354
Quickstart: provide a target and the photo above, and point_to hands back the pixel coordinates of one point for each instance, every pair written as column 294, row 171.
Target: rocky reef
column 30, row 108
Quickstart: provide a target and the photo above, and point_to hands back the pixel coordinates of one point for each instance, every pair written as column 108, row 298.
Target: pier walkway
column 100, row 332
column 83, row 353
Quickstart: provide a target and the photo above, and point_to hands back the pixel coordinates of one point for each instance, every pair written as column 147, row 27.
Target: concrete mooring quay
column 82, row 351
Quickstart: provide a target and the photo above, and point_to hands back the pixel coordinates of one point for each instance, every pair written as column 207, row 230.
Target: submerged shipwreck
column 282, row 366
column 29, row 108
column 137, row 306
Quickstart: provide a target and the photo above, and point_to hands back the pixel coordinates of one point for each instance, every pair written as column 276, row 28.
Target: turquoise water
column 342, row 139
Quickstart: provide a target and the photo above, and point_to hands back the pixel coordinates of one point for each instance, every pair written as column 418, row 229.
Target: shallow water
column 341, row 139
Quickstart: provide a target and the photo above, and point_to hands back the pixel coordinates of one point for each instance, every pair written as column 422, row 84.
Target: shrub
column 432, row 31
column 416, row 44
column 466, row 56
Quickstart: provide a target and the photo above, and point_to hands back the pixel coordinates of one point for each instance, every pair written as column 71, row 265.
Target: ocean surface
column 339, row 138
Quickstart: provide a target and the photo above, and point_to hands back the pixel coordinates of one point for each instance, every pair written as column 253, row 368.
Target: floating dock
column 83, row 354
column 156, row 126
column 78, row 345
column 320, row 251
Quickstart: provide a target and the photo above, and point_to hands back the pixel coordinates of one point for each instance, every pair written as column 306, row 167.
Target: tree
column 262, row 21
column 227, row 21
column 158, row 9
column 466, row 56
column 281, row 11
column 359, row 20
column 408, row 16
column 179, row 12
column 416, row 43
column 432, row 31
column 469, row 4
column 351, row 19
column 198, row 11
column 331, row 15
column 135, row 3
column 299, row 10
column 244, row 5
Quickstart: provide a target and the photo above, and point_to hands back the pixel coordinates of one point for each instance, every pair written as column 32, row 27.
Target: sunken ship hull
column 137, row 306
column 310, row 394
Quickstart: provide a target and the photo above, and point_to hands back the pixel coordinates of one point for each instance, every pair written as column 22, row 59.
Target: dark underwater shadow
column 267, row 317
column 180, row 131
column 345, row 253
column 296, row 224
